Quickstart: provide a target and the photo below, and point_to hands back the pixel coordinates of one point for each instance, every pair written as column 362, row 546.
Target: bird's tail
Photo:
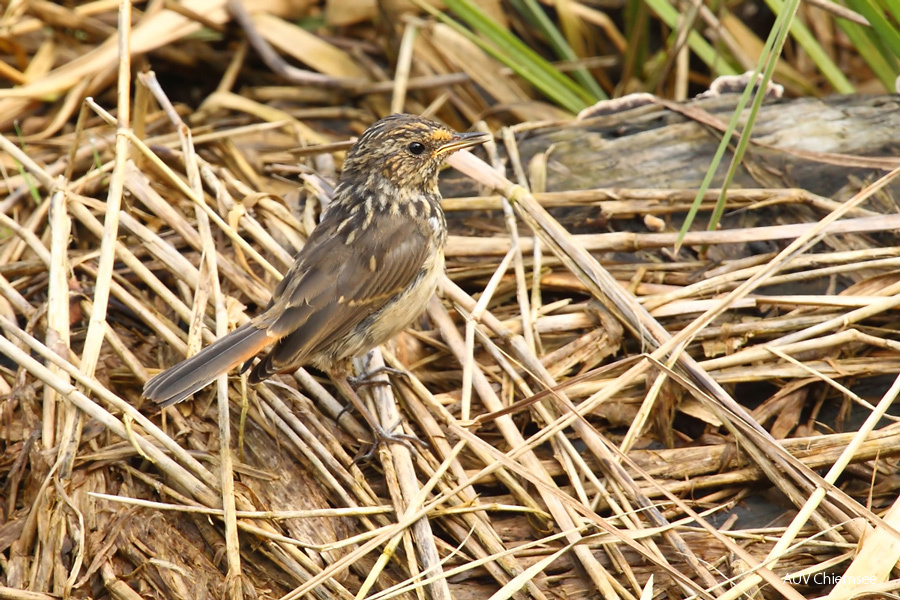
column 178, row 382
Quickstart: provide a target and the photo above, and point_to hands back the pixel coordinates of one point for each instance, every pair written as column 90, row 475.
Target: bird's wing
column 336, row 284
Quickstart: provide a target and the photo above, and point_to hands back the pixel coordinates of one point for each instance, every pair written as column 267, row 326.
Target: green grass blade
column 804, row 37
column 884, row 35
column 867, row 45
column 893, row 7
column 535, row 12
column 698, row 45
column 767, row 60
column 886, row 31
column 511, row 51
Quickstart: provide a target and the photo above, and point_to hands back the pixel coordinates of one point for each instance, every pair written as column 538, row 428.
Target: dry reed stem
column 631, row 242
column 535, row 213
column 537, row 369
column 467, row 496
column 597, row 573
column 405, row 489
column 523, row 455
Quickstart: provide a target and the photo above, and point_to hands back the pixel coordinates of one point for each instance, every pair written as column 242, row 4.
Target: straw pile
column 580, row 432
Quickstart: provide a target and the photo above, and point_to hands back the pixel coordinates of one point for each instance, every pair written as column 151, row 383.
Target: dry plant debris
column 581, row 433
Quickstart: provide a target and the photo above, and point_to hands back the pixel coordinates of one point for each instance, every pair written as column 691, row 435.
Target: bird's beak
column 462, row 140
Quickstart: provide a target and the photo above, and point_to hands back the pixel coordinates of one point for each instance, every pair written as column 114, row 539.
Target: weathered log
column 817, row 144
column 829, row 147
column 652, row 146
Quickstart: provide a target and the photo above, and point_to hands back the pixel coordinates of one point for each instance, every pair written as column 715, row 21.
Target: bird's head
column 405, row 151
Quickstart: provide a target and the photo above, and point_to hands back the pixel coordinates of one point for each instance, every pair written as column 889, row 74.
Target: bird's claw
column 383, row 437
column 369, row 378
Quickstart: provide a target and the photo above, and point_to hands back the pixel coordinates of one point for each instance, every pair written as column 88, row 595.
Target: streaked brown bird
column 365, row 273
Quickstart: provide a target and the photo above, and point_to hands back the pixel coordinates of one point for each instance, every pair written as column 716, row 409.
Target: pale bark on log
column 653, row 147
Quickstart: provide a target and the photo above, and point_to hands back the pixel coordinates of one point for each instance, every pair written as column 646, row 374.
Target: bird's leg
column 369, row 378
column 382, row 435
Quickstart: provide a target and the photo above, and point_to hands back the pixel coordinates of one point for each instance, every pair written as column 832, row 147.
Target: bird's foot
column 383, row 437
column 369, row 378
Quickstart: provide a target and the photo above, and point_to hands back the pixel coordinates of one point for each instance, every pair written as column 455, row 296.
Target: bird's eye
column 416, row 148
